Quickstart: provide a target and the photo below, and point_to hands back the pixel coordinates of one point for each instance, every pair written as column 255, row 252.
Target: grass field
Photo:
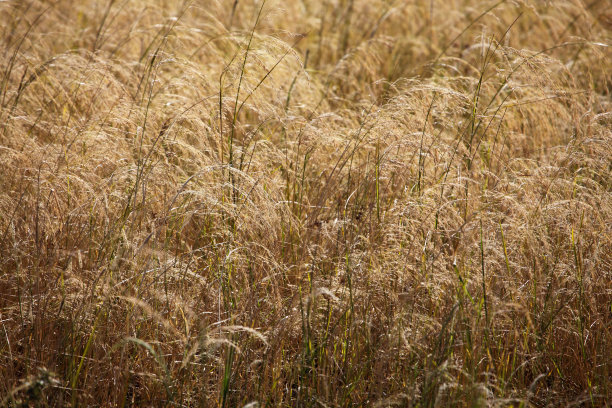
column 300, row 203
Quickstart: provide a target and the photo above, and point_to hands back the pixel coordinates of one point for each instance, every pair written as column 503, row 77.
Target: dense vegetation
column 305, row 203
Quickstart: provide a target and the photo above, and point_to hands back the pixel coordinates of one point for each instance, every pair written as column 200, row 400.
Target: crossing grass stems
column 305, row 203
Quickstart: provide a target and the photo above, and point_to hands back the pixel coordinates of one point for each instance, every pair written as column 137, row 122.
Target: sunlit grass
column 305, row 203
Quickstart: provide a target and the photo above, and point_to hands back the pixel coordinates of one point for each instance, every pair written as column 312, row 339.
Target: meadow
column 306, row 203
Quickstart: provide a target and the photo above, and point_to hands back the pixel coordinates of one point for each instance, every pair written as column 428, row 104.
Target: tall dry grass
column 305, row 203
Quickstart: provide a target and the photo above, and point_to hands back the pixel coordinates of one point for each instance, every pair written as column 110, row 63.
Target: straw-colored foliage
column 305, row 203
